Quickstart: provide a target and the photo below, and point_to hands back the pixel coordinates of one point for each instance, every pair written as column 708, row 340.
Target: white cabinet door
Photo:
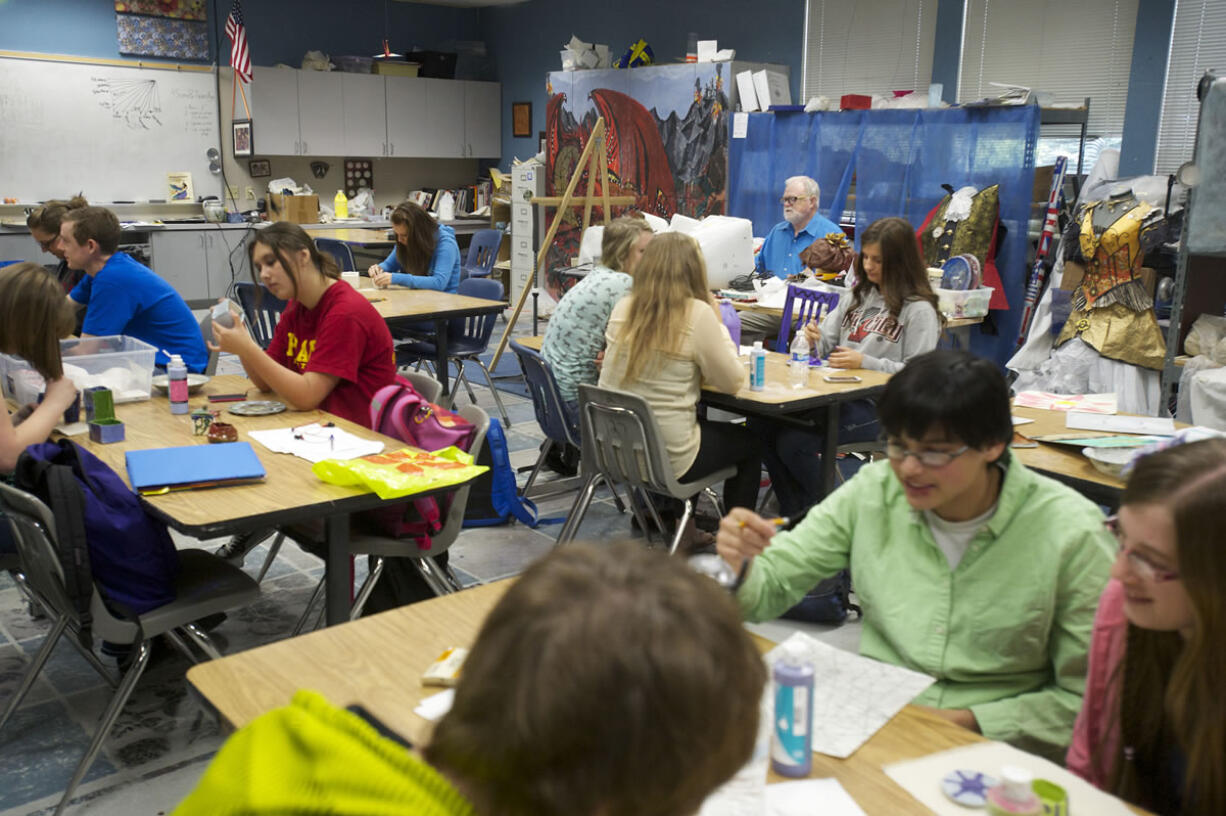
column 179, row 258
column 483, row 119
column 408, row 126
column 365, row 115
column 445, row 117
column 321, row 113
column 275, row 112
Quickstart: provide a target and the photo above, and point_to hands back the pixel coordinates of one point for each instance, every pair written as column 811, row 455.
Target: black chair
column 262, row 308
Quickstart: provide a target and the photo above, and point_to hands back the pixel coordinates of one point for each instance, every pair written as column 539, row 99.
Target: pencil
column 778, row 521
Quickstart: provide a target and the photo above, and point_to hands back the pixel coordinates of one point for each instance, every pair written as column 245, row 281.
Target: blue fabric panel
column 903, row 158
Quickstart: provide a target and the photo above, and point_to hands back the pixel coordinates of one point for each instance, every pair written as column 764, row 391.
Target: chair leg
column 655, row 514
column 684, row 520
column 368, row 586
column 540, row 461
column 449, row 575
column 578, row 510
column 637, row 510
column 40, row 659
column 490, row 380
column 272, row 553
column 306, row 613
column 37, row 603
column 108, row 721
column 617, row 499
column 202, row 640
column 180, row 643
column 715, row 500
column 430, row 572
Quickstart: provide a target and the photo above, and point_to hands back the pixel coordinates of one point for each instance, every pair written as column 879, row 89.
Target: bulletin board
column 111, row 132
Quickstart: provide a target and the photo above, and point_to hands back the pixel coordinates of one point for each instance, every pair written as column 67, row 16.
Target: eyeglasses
column 895, row 451
column 50, row 242
column 790, row 200
column 1145, row 569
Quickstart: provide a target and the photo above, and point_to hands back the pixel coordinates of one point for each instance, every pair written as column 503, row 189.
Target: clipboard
column 191, row 467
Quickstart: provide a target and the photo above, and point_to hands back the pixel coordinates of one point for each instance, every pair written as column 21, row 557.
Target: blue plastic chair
column 262, row 308
column 339, row 250
column 482, row 254
column 805, row 304
column 559, row 428
column 467, row 339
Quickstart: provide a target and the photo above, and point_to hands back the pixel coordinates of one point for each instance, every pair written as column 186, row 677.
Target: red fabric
column 342, row 336
column 1097, row 728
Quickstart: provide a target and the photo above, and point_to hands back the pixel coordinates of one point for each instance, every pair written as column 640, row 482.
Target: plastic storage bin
column 955, row 303
column 354, row 65
column 123, row 364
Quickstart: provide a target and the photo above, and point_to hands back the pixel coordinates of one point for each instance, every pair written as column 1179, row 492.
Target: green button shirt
column 1005, row 634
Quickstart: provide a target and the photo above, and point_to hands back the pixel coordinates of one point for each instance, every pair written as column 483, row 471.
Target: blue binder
column 160, row 470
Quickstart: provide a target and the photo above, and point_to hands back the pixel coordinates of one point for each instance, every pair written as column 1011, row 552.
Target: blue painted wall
column 1150, row 45
column 524, row 41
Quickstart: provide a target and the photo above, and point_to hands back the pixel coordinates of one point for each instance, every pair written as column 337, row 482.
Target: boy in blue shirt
column 123, row 295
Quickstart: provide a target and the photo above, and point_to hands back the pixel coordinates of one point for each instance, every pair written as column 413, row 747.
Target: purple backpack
column 397, row 410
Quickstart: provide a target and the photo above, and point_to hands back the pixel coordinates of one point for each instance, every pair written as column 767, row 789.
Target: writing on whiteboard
column 132, row 101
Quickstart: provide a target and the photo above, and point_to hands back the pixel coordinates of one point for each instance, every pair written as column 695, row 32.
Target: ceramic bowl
column 1109, row 461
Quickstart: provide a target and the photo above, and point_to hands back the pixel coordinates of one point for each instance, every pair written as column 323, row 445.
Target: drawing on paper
column 132, row 101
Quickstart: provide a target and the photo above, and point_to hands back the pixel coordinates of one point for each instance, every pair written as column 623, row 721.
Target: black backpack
column 828, row 602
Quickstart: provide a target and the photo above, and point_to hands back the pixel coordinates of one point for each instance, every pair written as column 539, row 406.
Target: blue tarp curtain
column 902, row 159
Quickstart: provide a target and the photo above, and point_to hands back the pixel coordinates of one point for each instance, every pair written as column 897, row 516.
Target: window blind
column 1198, row 42
column 867, row 46
column 1070, row 50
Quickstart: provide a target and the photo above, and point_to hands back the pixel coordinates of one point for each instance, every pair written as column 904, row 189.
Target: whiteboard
column 110, row 132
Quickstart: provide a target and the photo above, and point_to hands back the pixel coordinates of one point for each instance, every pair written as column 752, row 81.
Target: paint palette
column 257, row 408
column 968, row 788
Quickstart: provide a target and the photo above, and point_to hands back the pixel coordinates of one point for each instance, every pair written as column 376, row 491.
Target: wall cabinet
column 316, row 113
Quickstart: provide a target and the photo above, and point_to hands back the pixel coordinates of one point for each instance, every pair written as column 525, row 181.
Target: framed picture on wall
column 243, row 143
column 521, row 119
column 258, row 168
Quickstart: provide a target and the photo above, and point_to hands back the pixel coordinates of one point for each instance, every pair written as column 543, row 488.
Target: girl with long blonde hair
column 666, row 341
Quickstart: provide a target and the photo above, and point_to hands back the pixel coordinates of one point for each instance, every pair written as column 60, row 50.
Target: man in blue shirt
column 124, row 296
column 780, row 253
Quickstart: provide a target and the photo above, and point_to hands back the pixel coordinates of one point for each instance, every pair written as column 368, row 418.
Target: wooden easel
column 594, row 160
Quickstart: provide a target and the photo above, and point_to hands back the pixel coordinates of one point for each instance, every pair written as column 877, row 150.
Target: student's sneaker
column 235, row 550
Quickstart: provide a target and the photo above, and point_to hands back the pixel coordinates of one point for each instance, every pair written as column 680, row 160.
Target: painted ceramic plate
column 194, row 382
column 257, row 407
column 967, row 788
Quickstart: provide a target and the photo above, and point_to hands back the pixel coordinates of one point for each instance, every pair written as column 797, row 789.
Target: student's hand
column 60, row 394
column 231, row 340
column 379, row 277
column 599, row 359
column 845, row 358
column 813, row 333
column 742, row 535
column 958, row 716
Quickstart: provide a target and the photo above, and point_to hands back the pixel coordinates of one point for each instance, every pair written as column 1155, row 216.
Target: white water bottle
column 798, row 365
column 757, row 367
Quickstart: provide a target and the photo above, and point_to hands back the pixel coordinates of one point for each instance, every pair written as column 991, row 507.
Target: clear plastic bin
column 123, row 364
column 956, row 303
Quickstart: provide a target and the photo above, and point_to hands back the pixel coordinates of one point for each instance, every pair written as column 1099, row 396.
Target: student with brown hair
column 426, row 255
column 666, row 341
column 606, row 682
column 44, row 222
column 33, row 317
column 122, row 295
column 1153, row 726
column 889, row 317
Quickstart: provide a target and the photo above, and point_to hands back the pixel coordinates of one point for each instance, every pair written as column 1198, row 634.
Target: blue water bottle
column 757, row 367
column 792, row 740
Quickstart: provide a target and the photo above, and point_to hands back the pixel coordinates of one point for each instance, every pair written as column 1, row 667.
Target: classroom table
column 291, row 492
column 397, row 305
column 961, row 325
column 358, row 236
column 351, row 664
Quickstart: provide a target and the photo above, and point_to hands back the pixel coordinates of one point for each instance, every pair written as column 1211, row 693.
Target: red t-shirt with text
column 343, row 336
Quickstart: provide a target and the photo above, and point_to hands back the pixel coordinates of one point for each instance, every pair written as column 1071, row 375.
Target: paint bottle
column 1014, row 796
column 792, row 739
column 340, row 204
column 176, row 374
column 757, row 367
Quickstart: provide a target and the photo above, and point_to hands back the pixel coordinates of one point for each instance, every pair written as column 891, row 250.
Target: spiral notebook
column 190, row 467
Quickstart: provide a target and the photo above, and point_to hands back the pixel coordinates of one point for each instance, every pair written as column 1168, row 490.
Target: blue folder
column 159, row 470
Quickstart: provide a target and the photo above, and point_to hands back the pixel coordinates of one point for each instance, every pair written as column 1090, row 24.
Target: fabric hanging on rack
column 903, row 159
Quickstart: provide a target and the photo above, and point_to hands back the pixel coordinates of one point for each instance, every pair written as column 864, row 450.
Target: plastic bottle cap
column 794, row 654
column 757, row 344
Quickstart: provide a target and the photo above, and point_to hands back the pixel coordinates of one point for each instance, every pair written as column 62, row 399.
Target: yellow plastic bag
column 401, row 473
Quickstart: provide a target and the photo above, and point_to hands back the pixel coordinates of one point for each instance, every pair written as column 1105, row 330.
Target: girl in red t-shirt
column 331, row 349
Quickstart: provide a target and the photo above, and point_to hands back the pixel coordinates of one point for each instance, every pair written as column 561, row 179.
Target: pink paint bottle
column 1014, row 796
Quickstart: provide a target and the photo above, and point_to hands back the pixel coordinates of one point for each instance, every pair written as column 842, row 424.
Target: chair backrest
column 206, row 334
column 339, row 250
column 429, row 388
column 546, row 399
column 262, row 308
column 477, row 328
column 621, row 439
column 482, row 253
column 802, row 304
column 33, row 527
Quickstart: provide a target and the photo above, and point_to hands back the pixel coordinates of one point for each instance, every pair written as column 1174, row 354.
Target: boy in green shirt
column 969, row 567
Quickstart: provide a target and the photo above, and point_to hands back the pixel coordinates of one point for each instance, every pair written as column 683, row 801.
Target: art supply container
column 176, row 375
column 792, row 739
column 1014, row 796
column 757, row 367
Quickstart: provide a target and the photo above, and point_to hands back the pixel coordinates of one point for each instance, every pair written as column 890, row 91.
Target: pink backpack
column 397, row 410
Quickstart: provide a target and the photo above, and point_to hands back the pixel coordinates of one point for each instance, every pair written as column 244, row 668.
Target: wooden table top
column 754, row 306
column 289, row 490
column 399, row 302
column 363, row 236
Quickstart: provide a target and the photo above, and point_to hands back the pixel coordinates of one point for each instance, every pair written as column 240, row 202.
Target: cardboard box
column 397, row 68
column 300, row 209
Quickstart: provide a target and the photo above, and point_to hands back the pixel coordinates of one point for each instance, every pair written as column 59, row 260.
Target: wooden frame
column 259, row 168
column 521, row 119
column 243, row 141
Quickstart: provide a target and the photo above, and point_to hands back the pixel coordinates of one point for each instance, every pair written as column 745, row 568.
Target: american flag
column 240, row 55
